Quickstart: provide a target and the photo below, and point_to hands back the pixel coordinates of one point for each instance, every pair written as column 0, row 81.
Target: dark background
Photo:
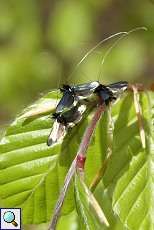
column 41, row 41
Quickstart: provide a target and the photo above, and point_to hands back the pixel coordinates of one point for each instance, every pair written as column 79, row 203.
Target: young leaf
column 90, row 213
column 130, row 175
column 31, row 173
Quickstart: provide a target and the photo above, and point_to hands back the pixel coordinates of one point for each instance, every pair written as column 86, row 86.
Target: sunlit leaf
column 129, row 177
column 90, row 213
column 32, row 173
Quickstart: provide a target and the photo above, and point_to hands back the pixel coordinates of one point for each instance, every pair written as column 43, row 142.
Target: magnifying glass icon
column 9, row 217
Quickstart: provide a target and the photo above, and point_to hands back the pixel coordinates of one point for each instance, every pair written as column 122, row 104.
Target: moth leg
column 139, row 116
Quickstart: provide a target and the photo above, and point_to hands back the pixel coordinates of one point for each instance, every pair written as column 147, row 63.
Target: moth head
column 55, row 115
column 66, row 88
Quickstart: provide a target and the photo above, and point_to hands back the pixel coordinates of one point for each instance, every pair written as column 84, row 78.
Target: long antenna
column 119, row 34
column 93, row 49
column 116, row 43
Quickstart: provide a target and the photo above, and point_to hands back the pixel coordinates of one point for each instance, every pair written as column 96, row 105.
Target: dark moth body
column 111, row 92
column 70, row 116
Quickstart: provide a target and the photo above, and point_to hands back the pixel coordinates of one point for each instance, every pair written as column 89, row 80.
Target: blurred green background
column 41, row 41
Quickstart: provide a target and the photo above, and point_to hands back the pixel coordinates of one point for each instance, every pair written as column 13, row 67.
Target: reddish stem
column 89, row 131
column 78, row 163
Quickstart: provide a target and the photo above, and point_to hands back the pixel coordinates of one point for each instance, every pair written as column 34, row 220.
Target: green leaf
column 31, row 173
column 69, row 222
column 90, row 214
column 105, row 201
column 28, row 176
column 130, row 174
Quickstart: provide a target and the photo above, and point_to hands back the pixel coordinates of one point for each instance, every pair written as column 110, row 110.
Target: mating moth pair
column 73, row 104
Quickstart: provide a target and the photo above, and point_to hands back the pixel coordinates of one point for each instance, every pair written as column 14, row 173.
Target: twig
column 93, row 204
column 141, row 87
column 139, row 117
column 99, row 174
column 78, row 163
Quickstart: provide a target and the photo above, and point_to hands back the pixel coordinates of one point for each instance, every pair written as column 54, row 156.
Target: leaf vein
column 130, row 182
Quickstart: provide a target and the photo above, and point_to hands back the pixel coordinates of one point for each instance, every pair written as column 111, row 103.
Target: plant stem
column 99, row 174
column 140, row 87
column 139, row 116
column 76, row 164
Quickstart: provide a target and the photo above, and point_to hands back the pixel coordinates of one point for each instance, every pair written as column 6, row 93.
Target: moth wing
column 66, row 102
column 84, row 90
column 80, row 111
column 121, row 85
column 82, row 108
column 118, row 88
column 57, row 133
column 61, row 131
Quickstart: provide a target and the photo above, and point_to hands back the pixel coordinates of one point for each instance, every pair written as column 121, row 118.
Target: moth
column 71, row 95
column 72, row 99
column 109, row 93
column 64, row 121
